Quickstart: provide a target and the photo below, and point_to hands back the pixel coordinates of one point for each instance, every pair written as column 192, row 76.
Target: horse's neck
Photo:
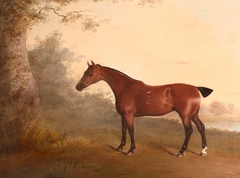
column 115, row 79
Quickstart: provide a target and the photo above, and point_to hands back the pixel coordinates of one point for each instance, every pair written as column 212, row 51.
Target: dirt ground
column 95, row 156
column 104, row 161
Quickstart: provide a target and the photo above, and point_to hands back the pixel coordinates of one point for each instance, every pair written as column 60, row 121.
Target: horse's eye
column 91, row 74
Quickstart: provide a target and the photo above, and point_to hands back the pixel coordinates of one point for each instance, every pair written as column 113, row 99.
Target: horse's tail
column 205, row 91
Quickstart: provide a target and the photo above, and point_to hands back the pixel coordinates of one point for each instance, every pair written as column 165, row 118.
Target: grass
column 154, row 131
column 90, row 150
column 63, row 168
column 40, row 136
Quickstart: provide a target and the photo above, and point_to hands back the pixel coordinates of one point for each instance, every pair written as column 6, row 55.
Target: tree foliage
column 49, row 61
column 151, row 2
column 217, row 108
column 16, row 16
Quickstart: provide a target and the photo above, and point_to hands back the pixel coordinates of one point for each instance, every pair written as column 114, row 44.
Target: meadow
column 85, row 147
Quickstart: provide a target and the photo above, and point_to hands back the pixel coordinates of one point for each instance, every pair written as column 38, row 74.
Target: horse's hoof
column 179, row 155
column 119, row 149
column 203, row 154
column 130, row 153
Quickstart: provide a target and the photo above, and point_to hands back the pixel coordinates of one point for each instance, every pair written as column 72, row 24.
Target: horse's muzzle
column 79, row 87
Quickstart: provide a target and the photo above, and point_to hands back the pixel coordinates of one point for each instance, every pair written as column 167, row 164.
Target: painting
column 120, row 88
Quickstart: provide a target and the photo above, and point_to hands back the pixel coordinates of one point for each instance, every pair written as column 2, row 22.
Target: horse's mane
column 121, row 73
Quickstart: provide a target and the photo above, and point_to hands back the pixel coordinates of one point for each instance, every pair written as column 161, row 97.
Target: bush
column 40, row 136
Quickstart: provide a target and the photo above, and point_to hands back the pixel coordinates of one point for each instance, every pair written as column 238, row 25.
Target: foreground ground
column 91, row 153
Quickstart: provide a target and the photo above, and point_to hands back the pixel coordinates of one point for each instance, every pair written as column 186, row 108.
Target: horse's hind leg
column 201, row 129
column 188, row 132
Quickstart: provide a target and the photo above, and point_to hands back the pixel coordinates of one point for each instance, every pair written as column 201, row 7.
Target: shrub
column 41, row 136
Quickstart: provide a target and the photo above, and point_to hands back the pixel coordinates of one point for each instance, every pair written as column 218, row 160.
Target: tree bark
column 19, row 101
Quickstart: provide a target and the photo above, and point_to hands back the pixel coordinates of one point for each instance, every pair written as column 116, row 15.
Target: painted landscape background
column 81, row 130
column 158, row 43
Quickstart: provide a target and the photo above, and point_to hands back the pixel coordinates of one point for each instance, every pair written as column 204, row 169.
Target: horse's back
column 184, row 91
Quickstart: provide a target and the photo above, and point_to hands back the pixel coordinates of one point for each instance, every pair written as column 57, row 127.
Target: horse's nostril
column 76, row 87
column 80, row 87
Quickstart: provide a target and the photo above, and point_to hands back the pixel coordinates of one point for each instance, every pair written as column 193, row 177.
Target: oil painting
column 119, row 88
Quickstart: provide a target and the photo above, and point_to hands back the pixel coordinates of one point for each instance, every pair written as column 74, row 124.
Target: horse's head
column 91, row 76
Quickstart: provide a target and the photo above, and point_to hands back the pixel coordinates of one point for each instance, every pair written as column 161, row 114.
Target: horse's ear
column 88, row 64
column 93, row 63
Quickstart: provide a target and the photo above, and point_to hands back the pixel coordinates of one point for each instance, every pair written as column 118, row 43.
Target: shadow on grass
column 166, row 150
column 193, row 152
column 113, row 148
column 159, row 148
column 170, row 152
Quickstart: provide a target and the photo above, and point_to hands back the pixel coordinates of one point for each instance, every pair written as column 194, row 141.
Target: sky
column 183, row 41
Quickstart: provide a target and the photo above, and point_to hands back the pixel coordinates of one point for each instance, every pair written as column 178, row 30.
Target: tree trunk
column 19, row 101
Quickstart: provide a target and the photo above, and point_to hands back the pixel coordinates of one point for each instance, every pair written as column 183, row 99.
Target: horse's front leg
column 124, row 131
column 127, row 124
column 130, row 125
column 131, row 133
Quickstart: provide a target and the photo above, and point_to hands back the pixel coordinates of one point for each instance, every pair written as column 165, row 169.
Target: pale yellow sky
column 195, row 42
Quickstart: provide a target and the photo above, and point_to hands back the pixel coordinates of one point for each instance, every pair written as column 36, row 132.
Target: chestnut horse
column 134, row 99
